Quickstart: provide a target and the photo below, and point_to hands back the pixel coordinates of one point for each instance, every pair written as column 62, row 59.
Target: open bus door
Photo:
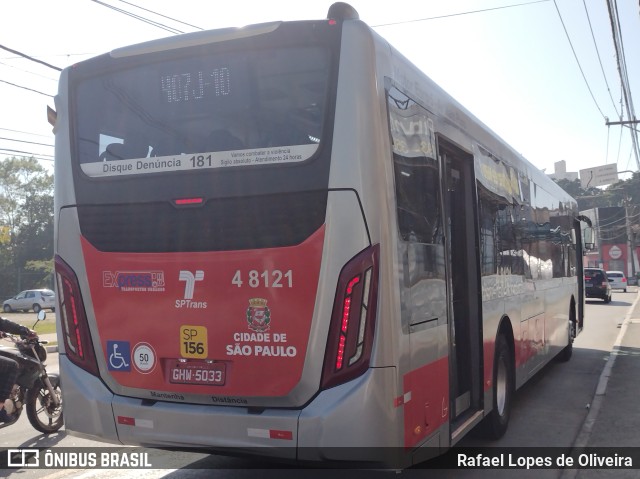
column 464, row 290
column 583, row 241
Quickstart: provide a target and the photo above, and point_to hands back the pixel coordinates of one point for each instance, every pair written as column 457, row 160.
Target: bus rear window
column 231, row 109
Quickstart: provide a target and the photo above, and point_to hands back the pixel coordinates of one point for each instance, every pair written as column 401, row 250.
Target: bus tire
column 495, row 424
column 567, row 351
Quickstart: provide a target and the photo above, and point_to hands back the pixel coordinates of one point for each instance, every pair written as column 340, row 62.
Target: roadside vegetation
column 26, row 226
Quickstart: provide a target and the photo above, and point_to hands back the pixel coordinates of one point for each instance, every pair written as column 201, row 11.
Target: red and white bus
column 286, row 239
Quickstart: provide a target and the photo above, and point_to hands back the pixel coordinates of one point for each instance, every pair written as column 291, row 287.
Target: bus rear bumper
column 86, row 404
column 347, row 422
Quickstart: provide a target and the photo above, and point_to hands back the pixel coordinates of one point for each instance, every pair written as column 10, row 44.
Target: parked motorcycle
column 35, row 390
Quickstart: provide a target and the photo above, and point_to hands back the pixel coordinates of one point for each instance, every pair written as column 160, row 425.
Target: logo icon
column 119, row 355
column 190, row 279
column 23, row 457
column 134, row 280
column 258, row 315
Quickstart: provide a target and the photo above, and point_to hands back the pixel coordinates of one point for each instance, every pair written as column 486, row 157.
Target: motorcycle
column 35, row 390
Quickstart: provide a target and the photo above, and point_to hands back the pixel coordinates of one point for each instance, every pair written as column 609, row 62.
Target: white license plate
column 200, row 372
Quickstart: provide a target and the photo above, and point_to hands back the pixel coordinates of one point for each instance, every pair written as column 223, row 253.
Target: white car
column 35, row 299
column 617, row 280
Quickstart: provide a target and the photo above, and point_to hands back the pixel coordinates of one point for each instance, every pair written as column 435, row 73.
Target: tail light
column 73, row 319
column 624, row 280
column 353, row 317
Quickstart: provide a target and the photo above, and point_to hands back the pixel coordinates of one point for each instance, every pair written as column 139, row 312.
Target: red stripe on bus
column 428, row 408
column 127, row 421
column 275, row 434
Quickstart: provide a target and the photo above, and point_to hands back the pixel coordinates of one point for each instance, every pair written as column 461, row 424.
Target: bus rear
column 214, row 289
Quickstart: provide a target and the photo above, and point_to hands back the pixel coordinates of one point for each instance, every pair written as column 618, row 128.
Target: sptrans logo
column 134, row 280
column 190, row 280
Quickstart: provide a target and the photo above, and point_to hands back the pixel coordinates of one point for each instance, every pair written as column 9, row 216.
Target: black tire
column 36, row 308
column 42, row 414
column 6, row 308
column 567, row 352
column 607, row 299
column 495, row 424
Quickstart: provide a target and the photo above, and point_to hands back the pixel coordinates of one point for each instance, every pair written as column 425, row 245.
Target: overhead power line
column 39, row 156
column 25, row 88
column 25, row 132
column 575, row 55
column 30, row 58
column 139, row 17
column 29, row 72
column 595, row 44
column 622, row 71
column 460, row 13
column 25, row 141
column 161, row 15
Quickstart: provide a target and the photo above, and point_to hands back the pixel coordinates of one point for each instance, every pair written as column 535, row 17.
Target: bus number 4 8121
column 266, row 279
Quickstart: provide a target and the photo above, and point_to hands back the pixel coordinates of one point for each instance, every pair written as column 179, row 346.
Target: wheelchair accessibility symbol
column 119, row 355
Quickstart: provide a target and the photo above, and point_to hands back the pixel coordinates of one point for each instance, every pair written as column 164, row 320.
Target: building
column 560, row 172
column 613, row 241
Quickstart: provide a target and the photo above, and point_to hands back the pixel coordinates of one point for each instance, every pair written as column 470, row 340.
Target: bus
column 286, row 240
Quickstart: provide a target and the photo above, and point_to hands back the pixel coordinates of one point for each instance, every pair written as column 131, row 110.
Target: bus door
column 464, row 290
column 422, row 269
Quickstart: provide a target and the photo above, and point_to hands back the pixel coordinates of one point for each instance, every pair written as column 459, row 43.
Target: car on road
column 596, row 284
column 31, row 299
column 618, row 280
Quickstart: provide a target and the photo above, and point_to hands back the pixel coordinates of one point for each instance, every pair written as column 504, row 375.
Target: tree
column 26, row 225
column 587, row 198
column 573, row 187
column 626, row 192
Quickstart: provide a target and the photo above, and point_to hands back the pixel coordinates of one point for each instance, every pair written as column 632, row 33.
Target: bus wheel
column 495, row 424
column 567, row 352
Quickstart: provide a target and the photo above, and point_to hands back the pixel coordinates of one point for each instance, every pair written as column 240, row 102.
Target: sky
column 542, row 74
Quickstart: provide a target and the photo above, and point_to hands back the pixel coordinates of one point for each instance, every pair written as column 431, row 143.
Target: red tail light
column 73, row 319
column 624, row 280
column 353, row 320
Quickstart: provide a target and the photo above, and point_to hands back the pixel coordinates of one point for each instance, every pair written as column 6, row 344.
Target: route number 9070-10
column 266, row 279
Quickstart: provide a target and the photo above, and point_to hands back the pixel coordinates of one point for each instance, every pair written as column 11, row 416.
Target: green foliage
column 26, row 226
column 625, row 193
column 622, row 193
column 47, row 326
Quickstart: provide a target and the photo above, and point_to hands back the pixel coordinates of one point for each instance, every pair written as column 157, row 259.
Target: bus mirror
column 52, row 116
column 587, row 234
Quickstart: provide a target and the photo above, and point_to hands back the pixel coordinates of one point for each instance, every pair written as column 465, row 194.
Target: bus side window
column 417, row 200
column 417, row 188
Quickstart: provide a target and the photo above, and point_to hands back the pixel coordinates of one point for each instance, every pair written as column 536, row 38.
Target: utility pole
column 631, row 244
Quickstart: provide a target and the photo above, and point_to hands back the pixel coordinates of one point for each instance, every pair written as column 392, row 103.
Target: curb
column 582, row 439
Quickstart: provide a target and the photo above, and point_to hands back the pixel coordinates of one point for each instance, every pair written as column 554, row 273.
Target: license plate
column 197, row 372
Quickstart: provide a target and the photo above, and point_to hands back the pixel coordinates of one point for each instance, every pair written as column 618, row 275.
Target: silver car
column 617, row 280
column 35, row 299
